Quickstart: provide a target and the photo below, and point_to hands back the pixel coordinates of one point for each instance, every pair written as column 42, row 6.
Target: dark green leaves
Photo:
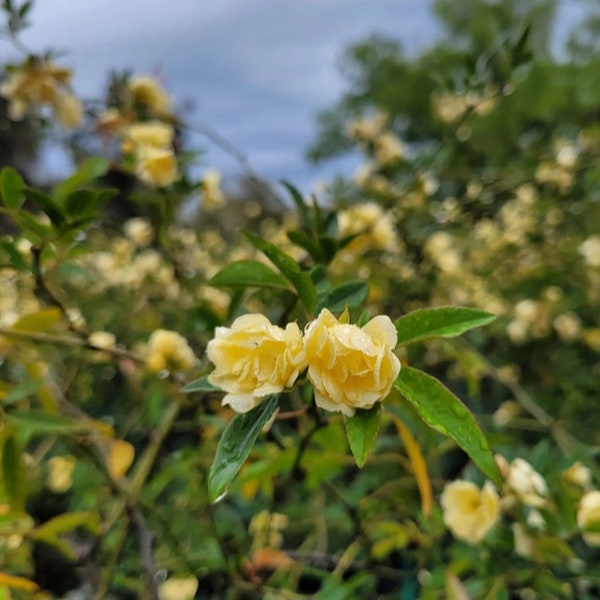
column 290, row 269
column 448, row 321
column 235, row 445
column 443, row 411
column 352, row 294
column 11, row 186
column 361, row 430
column 248, row 273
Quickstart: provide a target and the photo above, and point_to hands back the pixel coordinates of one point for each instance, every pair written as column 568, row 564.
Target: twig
column 146, row 556
column 59, row 340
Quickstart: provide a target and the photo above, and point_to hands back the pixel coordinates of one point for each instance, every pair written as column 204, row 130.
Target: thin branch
column 59, row 340
column 146, row 556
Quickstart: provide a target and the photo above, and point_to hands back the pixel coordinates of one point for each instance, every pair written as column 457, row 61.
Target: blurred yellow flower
column 470, row 512
column 156, row 166
column 138, row 230
column 69, row 111
column 42, row 83
column 60, row 473
column 212, row 194
column 178, row 588
column 254, row 358
column 169, row 350
column 147, row 91
column 102, row 339
column 526, row 483
column 149, row 133
column 350, row 367
column 588, row 514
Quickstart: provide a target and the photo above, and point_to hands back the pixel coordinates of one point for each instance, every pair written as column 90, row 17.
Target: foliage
column 355, row 334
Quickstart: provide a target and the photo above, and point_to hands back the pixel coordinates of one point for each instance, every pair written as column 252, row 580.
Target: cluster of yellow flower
column 37, row 83
column 450, row 106
column 145, row 124
column 470, row 513
column 349, row 367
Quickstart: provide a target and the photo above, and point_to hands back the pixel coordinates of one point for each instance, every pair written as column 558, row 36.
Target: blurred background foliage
column 479, row 186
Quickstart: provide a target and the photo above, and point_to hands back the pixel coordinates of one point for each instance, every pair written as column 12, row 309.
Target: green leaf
column 40, row 320
column 352, row 294
column 46, row 204
column 11, row 186
column 85, row 203
column 290, row 269
column 38, row 422
column 441, row 410
column 30, row 224
column 447, row 321
column 21, row 391
column 235, row 445
column 361, row 430
column 87, row 172
column 308, row 242
column 13, row 472
column 299, row 202
column 17, row 260
column 65, row 523
column 200, row 385
column 246, row 273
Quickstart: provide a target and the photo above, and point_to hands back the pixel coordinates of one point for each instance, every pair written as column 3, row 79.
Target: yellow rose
column 60, row 473
column 178, row 588
column 254, row 359
column 69, row 111
column 470, row 512
column 589, row 514
column 169, row 350
column 527, row 484
column 156, row 166
column 150, row 133
column 350, row 367
column 38, row 83
column 146, row 90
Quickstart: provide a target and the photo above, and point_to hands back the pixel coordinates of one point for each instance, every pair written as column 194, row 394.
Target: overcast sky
column 257, row 71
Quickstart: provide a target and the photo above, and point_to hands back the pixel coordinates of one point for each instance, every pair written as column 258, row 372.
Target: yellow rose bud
column 254, row 359
column 470, row 512
column 589, row 514
column 60, row 473
column 350, row 367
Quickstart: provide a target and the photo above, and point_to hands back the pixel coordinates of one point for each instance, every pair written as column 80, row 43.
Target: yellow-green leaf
column 18, row 583
column 40, row 320
column 418, row 464
column 13, row 472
